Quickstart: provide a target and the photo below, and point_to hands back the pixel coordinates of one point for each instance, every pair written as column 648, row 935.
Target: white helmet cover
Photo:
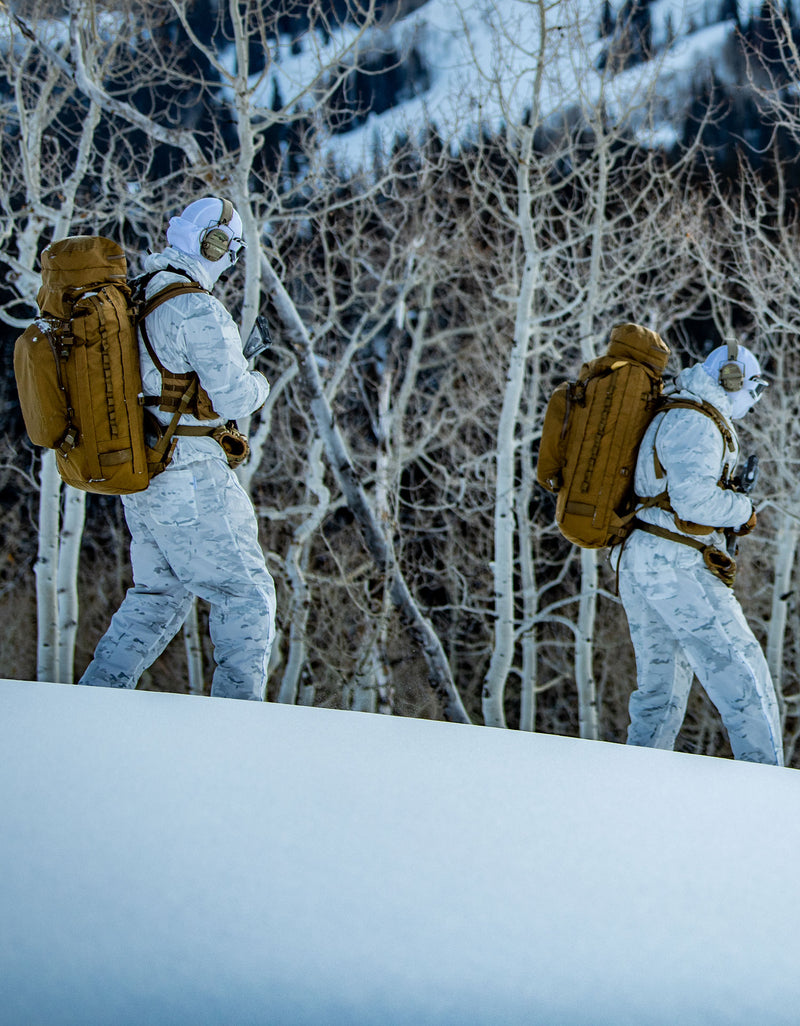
column 186, row 231
column 745, row 398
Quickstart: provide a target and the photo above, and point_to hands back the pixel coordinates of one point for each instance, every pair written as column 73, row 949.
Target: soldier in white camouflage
column 684, row 618
column 193, row 530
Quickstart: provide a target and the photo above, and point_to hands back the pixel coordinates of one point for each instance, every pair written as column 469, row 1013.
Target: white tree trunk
column 194, row 651
column 374, row 691
column 504, row 520
column 295, row 564
column 362, row 693
column 588, row 714
column 530, row 593
column 785, row 556
column 584, row 647
column 308, row 692
column 46, row 570
column 521, row 151
column 69, row 551
column 371, row 689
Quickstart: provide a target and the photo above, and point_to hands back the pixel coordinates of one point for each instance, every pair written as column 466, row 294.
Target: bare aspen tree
column 376, row 539
column 194, row 651
column 48, row 666
column 521, row 128
column 40, row 169
column 296, row 564
column 69, row 547
column 356, row 282
column 763, row 216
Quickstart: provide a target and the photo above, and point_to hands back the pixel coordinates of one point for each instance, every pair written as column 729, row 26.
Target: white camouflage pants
column 684, row 621
column 193, row 532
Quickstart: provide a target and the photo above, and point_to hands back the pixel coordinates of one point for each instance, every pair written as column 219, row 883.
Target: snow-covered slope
column 175, row 860
column 480, row 58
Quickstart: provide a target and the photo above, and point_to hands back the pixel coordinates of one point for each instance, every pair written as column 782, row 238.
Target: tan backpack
column 591, row 435
column 78, row 376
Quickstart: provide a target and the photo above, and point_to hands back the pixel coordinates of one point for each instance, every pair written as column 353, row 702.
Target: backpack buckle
column 68, row 442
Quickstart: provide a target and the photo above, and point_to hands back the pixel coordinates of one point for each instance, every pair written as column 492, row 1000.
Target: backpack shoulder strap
column 662, row 500
column 176, row 288
column 174, row 387
column 667, row 403
column 147, row 306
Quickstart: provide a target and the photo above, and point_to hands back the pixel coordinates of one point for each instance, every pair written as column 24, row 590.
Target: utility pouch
column 233, row 442
column 173, row 389
column 720, row 564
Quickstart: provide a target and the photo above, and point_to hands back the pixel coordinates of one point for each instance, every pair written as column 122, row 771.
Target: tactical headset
column 731, row 374
column 215, row 242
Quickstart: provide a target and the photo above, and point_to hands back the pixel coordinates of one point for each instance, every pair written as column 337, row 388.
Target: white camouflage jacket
column 194, row 332
column 693, row 453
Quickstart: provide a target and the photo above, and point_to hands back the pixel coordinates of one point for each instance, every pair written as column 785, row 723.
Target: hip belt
column 718, row 562
column 234, row 443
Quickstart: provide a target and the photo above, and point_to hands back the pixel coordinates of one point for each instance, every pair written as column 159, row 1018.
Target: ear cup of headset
column 216, row 241
column 731, row 374
column 731, row 377
column 215, row 244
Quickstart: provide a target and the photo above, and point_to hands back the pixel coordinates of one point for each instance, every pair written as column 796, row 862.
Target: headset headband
column 227, row 212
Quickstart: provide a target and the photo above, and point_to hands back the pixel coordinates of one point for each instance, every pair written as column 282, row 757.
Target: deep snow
column 177, row 860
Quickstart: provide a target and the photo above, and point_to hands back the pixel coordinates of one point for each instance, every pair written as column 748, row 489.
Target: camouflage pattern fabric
column 196, row 333
column 684, row 621
column 692, row 451
column 193, row 532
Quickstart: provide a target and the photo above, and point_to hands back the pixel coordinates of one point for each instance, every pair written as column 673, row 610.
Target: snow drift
column 168, row 860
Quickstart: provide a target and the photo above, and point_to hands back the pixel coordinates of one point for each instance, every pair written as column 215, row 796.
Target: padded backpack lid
column 73, row 265
column 633, row 342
